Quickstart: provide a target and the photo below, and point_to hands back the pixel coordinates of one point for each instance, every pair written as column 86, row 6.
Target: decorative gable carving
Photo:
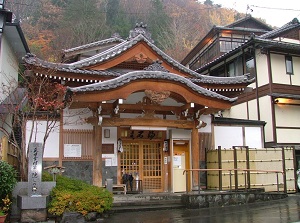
column 156, row 66
column 157, row 96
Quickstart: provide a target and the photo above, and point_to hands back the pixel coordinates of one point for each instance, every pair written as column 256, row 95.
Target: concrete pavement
column 285, row 210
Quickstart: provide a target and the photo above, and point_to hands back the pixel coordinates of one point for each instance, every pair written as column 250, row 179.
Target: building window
column 289, row 65
column 250, row 66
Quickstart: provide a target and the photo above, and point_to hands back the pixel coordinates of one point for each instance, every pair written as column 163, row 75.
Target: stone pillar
column 35, row 158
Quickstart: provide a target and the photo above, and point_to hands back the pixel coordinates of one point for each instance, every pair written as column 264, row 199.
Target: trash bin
column 109, row 185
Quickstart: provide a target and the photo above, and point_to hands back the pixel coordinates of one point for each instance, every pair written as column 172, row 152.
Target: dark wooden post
column 97, row 156
column 220, row 167
column 235, row 169
column 248, row 167
column 195, row 158
column 284, row 171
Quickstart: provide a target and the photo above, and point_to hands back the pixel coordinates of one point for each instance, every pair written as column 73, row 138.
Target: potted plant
column 4, row 209
column 8, row 180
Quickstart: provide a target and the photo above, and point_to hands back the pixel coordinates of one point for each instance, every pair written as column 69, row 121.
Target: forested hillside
column 176, row 25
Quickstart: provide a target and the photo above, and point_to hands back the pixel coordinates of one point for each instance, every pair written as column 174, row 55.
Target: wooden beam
column 195, row 156
column 115, row 121
column 97, row 154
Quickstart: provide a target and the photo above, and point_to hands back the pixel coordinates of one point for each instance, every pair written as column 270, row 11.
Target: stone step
column 147, row 202
column 146, row 206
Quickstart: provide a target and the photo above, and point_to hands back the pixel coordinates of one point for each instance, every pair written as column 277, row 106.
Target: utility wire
column 296, row 10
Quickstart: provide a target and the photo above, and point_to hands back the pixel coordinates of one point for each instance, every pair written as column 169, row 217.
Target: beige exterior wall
column 265, row 115
column 279, row 75
column 252, row 106
column 296, row 67
column 262, row 69
column 287, row 115
column 8, row 65
column 237, row 111
column 288, row 135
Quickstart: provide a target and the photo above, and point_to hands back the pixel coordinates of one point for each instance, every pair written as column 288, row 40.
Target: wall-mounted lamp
column 166, row 146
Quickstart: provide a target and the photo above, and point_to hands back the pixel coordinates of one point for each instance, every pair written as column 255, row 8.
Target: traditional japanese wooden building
column 133, row 109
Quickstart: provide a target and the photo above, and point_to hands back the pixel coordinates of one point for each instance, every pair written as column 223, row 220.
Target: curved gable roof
column 148, row 75
column 83, row 66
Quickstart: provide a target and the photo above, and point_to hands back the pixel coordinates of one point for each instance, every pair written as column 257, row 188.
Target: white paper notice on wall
column 108, row 162
column 176, row 160
column 72, row 150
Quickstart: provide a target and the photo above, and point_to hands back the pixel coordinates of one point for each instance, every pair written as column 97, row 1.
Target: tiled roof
column 77, row 67
column 142, row 75
column 94, row 44
column 122, row 47
column 33, row 60
column 274, row 33
column 257, row 39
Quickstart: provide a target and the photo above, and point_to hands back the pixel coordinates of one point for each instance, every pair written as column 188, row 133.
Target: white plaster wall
column 252, row 107
column 287, row 116
column 279, row 75
column 253, row 137
column 180, row 134
column 52, row 143
column 75, row 118
column 296, row 67
column 228, row 136
column 288, row 135
column 262, row 69
column 265, row 115
column 8, row 66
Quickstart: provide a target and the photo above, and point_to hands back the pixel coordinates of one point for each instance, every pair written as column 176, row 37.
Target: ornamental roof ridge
column 224, row 80
column 140, row 28
column 97, row 43
column 138, row 75
column 33, row 60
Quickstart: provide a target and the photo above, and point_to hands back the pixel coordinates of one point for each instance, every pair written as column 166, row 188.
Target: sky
column 275, row 12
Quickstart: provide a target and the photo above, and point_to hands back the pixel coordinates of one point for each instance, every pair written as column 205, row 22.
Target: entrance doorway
column 143, row 159
column 180, row 163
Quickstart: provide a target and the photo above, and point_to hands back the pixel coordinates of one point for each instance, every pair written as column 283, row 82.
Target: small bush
column 46, row 176
column 8, row 179
column 75, row 195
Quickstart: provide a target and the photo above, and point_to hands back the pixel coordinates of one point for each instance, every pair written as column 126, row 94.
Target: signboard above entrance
column 141, row 134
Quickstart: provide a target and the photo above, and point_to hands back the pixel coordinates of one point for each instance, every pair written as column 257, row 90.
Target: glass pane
column 289, row 65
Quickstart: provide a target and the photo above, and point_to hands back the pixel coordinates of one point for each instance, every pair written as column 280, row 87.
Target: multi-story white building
column 273, row 58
